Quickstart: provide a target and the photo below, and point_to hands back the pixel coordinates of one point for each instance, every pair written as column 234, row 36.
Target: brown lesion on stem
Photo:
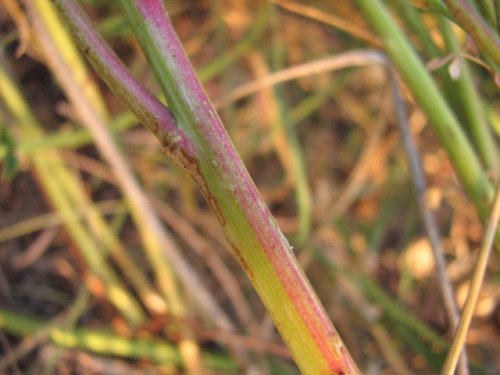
column 190, row 163
column 243, row 263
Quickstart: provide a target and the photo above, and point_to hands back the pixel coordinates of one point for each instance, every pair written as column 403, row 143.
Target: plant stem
column 472, row 22
column 428, row 96
column 200, row 144
column 487, row 8
column 470, row 103
column 474, row 289
column 154, row 116
column 106, row 343
column 49, row 31
column 247, row 223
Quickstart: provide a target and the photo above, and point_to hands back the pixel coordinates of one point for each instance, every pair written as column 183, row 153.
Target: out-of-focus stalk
column 428, row 96
column 466, row 93
column 55, row 178
column 108, row 343
column 472, row 22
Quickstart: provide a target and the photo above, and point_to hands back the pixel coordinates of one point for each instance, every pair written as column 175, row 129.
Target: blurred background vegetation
column 81, row 290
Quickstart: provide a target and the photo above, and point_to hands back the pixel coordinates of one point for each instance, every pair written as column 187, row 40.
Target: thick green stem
column 154, row 116
column 200, row 144
column 247, row 223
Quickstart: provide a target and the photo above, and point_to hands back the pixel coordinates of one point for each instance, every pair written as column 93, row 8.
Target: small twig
column 35, row 250
column 54, row 219
column 474, row 289
column 349, row 59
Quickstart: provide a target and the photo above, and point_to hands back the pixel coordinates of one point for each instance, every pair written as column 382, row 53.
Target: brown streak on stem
column 242, row 261
column 190, row 164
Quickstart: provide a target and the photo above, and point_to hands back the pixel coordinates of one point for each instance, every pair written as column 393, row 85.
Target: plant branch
column 153, row 114
column 201, row 145
column 61, row 188
column 154, row 237
column 344, row 60
column 470, row 102
column 155, row 117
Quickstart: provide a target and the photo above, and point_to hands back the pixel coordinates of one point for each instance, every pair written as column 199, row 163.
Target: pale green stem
column 471, row 21
column 467, row 94
column 428, row 96
column 108, row 343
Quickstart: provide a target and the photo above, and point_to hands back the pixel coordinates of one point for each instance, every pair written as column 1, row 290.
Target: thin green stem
column 466, row 93
column 428, row 96
column 440, row 7
column 107, row 343
column 35, row 338
column 69, row 138
column 472, row 22
column 460, row 91
column 487, row 8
